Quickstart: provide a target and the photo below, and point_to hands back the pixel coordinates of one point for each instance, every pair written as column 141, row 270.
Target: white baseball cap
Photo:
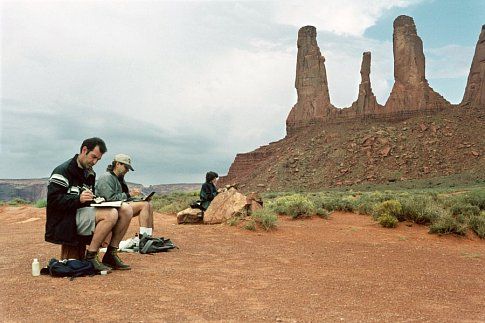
column 124, row 159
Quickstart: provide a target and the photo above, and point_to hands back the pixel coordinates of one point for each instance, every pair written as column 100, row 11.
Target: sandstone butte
column 416, row 134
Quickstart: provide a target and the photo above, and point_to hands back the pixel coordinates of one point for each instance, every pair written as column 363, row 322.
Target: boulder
column 189, row 215
column 225, row 206
column 254, row 202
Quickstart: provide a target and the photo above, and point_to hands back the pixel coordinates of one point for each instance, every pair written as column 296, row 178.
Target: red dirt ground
column 346, row 268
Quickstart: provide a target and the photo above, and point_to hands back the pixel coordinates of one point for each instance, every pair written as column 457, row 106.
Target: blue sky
column 185, row 86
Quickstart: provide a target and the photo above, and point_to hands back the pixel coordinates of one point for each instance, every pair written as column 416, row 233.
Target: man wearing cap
column 69, row 215
column 112, row 186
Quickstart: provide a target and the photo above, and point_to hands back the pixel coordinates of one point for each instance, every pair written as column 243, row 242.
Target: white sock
column 150, row 231
column 144, row 230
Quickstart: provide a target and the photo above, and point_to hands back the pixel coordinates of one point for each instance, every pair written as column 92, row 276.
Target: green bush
column 41, row 203
column 477, row 224
column 476, row 198
column 294, row 205
column 391, row 208
column 335, row 202
column 266, row 218
column 420, row 209
column 250, row 225
column 173, row 202
column 465, row 209
column 447, row 224
column 234, row 221
column 387, row 220
column 323, row 213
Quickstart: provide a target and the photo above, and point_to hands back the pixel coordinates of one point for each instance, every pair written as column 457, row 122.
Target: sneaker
column 111, row 259
column 98, row 266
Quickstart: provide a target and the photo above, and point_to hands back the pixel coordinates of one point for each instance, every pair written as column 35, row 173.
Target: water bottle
column 35, row 267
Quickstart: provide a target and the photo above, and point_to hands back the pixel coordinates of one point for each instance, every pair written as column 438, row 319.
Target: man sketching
column 69, row 215
column 112, row 186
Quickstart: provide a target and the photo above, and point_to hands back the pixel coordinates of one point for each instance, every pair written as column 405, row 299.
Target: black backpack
column 151, row 244
column 69, row 268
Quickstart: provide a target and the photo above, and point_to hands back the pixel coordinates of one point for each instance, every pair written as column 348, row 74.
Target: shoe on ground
column 98, row 266
column 112, row 260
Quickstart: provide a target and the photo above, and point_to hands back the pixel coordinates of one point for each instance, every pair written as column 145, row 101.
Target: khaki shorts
column 86, row 220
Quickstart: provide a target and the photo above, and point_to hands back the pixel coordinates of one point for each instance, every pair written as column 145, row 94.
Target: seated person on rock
column 208, row 190
column 112, row 186
column 69, row 215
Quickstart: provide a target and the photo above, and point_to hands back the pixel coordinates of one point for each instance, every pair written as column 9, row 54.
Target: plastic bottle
column 35, row 267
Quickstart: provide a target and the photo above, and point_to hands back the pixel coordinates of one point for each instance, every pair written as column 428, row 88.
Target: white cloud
column 451, row 61
column 343, row 17
column 222, row 70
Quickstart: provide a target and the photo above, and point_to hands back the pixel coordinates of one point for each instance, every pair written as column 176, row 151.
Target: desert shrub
column 41, row 203
column 477, row 224
column 266, row 218
column 465, row 209
column 391, row 208
column 476, row 198
column 250, row 225
column 387, row 220
column 294, row 205
column 420, row 209
column 17, row 201
column 344, row 203
column 447, row 224
column 323, row 213
column 234, row 221
column 366, row 203
column 173, row 202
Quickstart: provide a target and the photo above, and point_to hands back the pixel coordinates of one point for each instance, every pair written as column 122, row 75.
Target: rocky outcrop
column 243, row 166
column 411, row 90
column 327, row 147
column 366, row 101
column 410, row 94
column 475, row 87
column 27, row 189
column 313, row 102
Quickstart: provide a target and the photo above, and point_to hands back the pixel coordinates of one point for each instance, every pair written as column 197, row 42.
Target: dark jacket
column 65, row 186
column 207, row 193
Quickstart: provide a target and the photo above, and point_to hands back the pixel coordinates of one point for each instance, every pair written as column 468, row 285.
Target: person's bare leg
column 125, row 213
column 106, row 219
column 145, row 212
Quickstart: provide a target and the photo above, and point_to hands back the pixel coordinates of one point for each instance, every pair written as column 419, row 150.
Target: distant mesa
column 416, row 134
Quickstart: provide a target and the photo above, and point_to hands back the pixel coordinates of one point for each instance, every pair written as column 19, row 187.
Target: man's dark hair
column 210, row 176
column 91, row 143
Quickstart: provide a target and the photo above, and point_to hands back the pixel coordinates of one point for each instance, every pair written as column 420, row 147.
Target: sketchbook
column 101, row 202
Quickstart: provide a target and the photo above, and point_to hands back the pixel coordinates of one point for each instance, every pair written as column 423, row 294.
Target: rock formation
column 410, row 94
column 366, row 101
column 475, row 87
column 326, row 146
column 411, row 90
column 311, row 82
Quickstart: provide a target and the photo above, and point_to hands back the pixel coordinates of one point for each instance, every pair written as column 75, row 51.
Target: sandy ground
column 346, row 268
